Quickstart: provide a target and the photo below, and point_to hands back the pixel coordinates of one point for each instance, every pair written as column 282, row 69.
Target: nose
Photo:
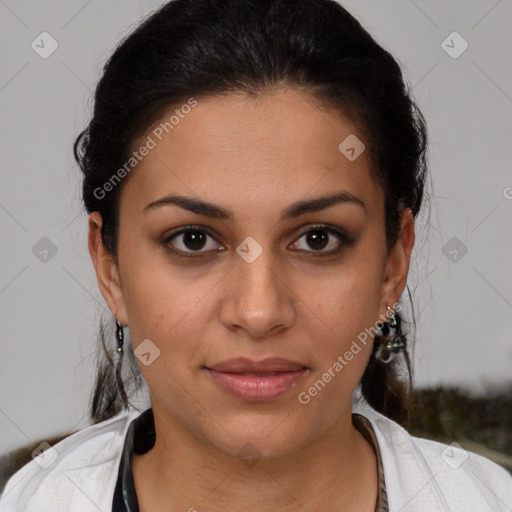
column 257, row 298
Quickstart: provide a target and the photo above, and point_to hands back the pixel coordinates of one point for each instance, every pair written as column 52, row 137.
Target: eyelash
column 345, row 240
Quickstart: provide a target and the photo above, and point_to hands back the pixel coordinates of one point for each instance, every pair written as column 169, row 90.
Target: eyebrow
column 296, row 209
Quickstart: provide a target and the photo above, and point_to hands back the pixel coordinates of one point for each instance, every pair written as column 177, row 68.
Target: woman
column 252, row 173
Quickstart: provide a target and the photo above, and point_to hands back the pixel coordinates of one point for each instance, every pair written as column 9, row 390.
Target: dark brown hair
column 199, row 48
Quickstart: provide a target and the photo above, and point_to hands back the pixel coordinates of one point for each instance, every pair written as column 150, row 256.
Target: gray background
column 51, row 305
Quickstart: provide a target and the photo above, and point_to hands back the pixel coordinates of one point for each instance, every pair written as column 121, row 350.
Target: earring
column 388, row 345
column 119, row 337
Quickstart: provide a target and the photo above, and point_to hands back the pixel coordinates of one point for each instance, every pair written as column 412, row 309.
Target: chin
column 259, row 435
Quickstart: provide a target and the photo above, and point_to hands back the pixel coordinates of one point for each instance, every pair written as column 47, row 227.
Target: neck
column 184, row 472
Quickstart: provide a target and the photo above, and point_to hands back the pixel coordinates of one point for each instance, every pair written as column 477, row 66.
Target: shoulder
column 79, row 471
column 421, row 474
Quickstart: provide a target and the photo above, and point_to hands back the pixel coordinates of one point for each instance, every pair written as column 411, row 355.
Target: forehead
column 250, row 154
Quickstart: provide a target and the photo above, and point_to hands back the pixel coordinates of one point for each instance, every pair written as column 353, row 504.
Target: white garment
column 421, row 475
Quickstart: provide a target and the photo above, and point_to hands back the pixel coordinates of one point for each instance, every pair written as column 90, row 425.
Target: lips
column 245, row 365
column 256, row 381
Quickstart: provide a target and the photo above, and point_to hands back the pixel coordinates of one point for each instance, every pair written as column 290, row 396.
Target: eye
column 321, row 236
column 190, row 240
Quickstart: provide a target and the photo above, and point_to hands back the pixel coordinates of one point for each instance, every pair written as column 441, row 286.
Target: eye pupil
column 317, row 239
column 194, row 240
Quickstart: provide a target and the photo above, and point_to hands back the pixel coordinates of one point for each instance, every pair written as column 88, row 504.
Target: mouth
column 256, row 381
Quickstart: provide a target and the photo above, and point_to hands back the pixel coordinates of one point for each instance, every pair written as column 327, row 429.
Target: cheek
column 339, row 318
column 171, row 314
column 346, row 304
column 168, row 306
column 164, row 310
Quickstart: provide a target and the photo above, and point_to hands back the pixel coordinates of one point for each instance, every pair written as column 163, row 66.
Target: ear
column 397, row 264
column 107, row 272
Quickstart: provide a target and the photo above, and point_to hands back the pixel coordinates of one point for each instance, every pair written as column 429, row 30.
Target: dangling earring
column 117, row 366
column 389, row 345
column 119, row 337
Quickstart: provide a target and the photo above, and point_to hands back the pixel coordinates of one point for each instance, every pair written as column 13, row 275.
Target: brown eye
column 191, row 240
column 318, row 238
column 194, row 240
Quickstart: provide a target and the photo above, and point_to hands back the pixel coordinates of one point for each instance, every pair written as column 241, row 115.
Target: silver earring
column 120, row 338
column 389, row 344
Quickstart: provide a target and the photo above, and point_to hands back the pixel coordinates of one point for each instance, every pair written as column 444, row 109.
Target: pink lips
column 257, row 381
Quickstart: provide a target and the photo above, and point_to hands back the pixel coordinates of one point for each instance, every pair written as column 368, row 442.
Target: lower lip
column 252, row 388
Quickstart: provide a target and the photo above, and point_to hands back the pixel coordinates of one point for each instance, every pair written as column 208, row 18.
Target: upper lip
column 245, row 365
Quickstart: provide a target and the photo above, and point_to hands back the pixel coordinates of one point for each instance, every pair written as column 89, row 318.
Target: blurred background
column 457, row 58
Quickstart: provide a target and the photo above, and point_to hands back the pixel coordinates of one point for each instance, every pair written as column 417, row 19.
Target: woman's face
column 253, row 284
